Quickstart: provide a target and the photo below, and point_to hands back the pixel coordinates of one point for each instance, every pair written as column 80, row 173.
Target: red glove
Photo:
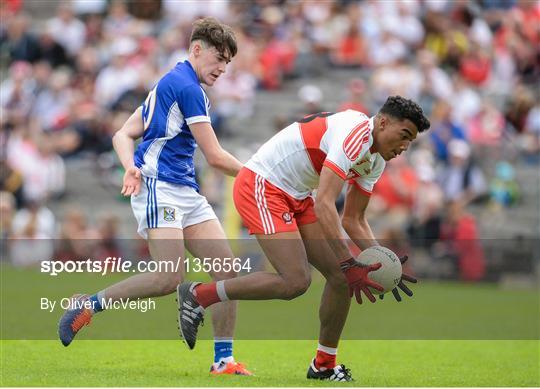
column 356, row 274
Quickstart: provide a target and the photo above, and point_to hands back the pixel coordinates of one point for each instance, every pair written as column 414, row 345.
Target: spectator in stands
column 17, row 94
column 460, row 232
column 11, row 181
column 52, row 51
column 357, row 96
column 504, row 189
column 172, row 49
column 108, row 242
column 437, row 83
column 425, row 224
column 118, row 21
column 11, row 7
column 519, row 103
column 351, row 49
column 33, row 230
column 487, row 126
column 85, row 8
column 234, row 94
column 397, row 185
column 466, row 102
column 77, row 239
column 67, row 30
column 132, row 98
column 462, row 180
column 475, row 66
column 394, row 194
column 389, row 50
column 530, row 142
column 35, row 221
column 7, row 212
column 51, row 109
column 311, row 98
column 119, row 76
column 42, row 170
column 444, row 129
column 21, row 44
column 41, row 76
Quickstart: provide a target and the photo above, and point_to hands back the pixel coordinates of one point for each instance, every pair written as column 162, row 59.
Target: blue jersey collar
column 193, row 73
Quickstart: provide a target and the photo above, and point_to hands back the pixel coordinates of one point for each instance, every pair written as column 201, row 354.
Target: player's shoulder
column 351, row 114
column 344, row 121
column 181, row 79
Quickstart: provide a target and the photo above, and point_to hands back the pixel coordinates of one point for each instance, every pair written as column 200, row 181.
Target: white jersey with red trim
column 293, row 159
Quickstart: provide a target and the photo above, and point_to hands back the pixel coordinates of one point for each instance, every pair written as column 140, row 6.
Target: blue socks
column 223, row 350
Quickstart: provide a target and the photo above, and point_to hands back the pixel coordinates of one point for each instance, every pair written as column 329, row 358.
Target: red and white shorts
column 266, row 209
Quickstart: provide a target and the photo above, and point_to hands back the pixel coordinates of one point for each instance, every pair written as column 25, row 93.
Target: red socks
column 206, row 294
column 326, row 358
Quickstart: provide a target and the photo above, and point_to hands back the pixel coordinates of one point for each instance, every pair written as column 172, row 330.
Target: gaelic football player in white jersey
column 160, row 178
column 273, row 194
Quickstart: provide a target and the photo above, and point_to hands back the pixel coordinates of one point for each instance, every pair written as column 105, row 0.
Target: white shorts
column 162, row 204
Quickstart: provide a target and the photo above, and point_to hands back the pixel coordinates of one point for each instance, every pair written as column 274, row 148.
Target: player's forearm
column 360, row 232
column 226, row 163
column 329, row 221
column 124, row 139
column 125, row 149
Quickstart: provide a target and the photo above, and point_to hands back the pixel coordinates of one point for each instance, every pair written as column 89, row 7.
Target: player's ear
column 196, row 48
column 382, row 121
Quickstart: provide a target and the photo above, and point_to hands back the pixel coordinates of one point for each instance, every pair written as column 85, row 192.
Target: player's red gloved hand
column 356, row 274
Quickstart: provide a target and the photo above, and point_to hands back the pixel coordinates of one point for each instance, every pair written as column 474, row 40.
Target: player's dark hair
column 215, row 34
column 401, row 108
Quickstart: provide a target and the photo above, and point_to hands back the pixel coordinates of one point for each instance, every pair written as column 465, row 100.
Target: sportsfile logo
column 109, row 265
column 119, row 265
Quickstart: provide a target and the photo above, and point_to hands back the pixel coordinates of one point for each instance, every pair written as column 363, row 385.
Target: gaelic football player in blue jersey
column 160, row 178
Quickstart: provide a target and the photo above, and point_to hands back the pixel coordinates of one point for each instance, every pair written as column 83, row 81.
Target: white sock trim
column 223, row 339
column 220, row 288
column 328, row 350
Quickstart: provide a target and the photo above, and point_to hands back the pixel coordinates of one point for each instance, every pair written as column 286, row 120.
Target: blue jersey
column 166, row 152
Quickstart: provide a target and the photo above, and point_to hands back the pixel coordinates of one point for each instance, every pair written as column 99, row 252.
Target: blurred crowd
column 70, row 81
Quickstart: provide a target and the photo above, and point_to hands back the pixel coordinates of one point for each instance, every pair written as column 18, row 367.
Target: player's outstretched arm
column 330, row 185
column 356, row 274
column 215, row 155
column 354, row 219
column 124, row 145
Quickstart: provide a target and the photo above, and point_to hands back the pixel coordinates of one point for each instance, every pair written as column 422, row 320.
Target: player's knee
column 298, row 286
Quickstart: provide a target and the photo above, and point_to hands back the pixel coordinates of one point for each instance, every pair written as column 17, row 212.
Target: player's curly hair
column 402, row 108
column 215, row 34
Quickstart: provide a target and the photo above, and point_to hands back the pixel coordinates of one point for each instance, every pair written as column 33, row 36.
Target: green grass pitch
column 275, row 363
